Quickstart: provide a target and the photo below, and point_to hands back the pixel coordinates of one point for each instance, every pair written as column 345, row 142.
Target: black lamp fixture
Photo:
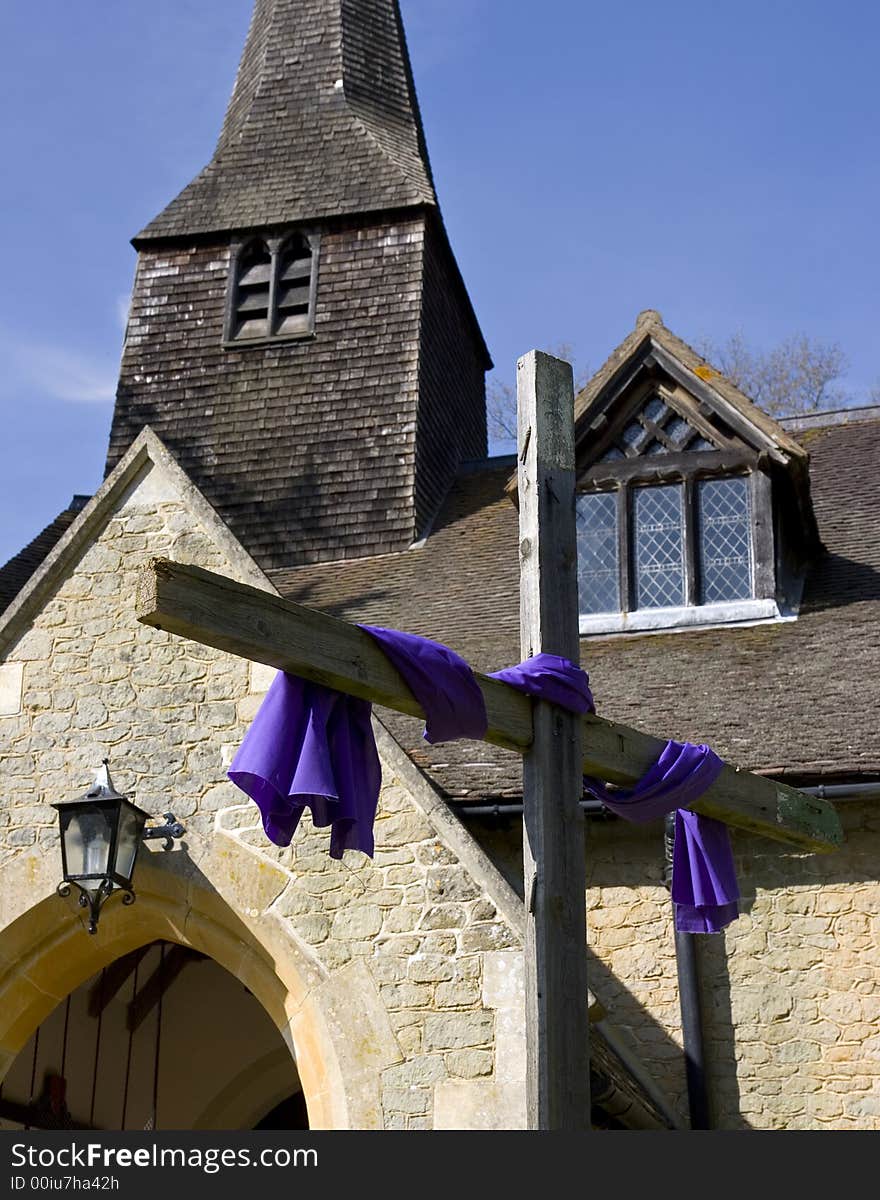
column 101, row 833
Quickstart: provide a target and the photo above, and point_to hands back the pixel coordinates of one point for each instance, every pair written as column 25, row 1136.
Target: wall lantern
column 101, row 833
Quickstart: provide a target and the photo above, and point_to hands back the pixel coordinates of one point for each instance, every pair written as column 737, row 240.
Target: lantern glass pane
column 130, row 825
column 87, row 838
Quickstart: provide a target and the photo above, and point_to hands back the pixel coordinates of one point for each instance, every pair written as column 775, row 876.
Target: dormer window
column 693, row 506
column 272, row 289
column 666, row 546
column 674, row 520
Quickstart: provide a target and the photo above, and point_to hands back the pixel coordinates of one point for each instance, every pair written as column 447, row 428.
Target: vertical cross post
column 557, row 1063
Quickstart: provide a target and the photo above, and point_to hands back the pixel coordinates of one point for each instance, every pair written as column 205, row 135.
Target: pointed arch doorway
column 161, row 1038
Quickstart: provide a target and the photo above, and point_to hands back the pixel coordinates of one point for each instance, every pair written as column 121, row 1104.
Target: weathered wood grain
column 257, row 625
column 555, row 949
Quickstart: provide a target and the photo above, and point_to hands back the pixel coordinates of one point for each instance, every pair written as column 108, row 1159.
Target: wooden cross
column 558, row 748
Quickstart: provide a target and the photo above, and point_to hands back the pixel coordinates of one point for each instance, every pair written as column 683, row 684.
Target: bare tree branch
column 794, row 377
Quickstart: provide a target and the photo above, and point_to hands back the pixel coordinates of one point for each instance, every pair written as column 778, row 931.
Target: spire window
column 272, row 289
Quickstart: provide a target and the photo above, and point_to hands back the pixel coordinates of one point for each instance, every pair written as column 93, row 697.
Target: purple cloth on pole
column 440, row 680
column 310, row 747
column 704, row 887
column 552, row 678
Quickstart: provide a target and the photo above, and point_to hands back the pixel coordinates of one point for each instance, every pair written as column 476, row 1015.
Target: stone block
column 429, row 968
column 11, row 675
column 479, row 1104
column 421, row 1071
column 462, row 993
column 458, row 1031
column 357, row 921
column 406, row 1100
column 443, row 916
column 488, row 936
column 469, row 1064
column 406, row 995
column 451, row 883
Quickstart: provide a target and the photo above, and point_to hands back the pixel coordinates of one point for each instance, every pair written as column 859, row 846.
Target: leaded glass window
column 724, row 539
column 658, row 552
column 598, row 566
column 685, row 544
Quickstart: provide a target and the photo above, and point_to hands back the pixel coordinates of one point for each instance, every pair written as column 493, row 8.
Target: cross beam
column 257, row 625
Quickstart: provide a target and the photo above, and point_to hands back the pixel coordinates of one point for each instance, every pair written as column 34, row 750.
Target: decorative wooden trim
column 690, row 534
column 670, row 467
column 763, row 542
column 624, row 571
column 695, row 386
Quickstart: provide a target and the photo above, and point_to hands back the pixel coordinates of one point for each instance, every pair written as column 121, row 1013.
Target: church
column 301, row 407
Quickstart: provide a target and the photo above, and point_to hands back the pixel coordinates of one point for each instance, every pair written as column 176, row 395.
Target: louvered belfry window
column 273, row 292
column 294, row 287
column 252, row 292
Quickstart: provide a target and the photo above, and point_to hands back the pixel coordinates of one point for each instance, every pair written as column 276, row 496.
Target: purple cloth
column 704, row 887
column 552, row 678
column 440, row 680
column 310, row 747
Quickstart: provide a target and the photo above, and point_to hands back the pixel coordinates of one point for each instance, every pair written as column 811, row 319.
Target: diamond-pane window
column 598, row 564
column 655, row 409
column 658, row 519
column 679, row 430
column 633, row 433
column 724, row 540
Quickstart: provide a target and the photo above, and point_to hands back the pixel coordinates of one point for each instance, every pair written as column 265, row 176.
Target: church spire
column 323, row 121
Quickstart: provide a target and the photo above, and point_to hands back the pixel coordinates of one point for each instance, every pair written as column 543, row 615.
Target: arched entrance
column 333, row 1026
column 161, row 1038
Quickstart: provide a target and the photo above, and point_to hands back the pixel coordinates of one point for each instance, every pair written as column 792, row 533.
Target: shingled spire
column 299, row 335
column 323, row 121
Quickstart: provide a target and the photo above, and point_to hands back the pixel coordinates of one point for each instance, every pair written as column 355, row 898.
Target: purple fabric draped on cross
column 310, row 747
column 704, row 887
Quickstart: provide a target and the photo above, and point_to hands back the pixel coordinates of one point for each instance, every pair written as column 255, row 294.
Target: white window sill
column 654, row 620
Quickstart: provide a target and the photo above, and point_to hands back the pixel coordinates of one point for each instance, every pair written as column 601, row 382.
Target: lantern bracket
column 94, row 899
column 169, row 831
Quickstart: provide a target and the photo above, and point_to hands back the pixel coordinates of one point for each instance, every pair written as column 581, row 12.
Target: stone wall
column 791, row 990
column 169, row 713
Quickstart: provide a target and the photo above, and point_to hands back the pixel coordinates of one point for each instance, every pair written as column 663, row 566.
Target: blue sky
column 718, row 162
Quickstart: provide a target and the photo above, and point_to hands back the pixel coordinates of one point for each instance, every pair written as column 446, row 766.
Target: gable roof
column 650, row 343
column 15, row 573
column 85, row 524
column 652, row 350
column 323, row 121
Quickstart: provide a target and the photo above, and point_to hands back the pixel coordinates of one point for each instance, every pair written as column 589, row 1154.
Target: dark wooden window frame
column 624, row 477
column 275, row 244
